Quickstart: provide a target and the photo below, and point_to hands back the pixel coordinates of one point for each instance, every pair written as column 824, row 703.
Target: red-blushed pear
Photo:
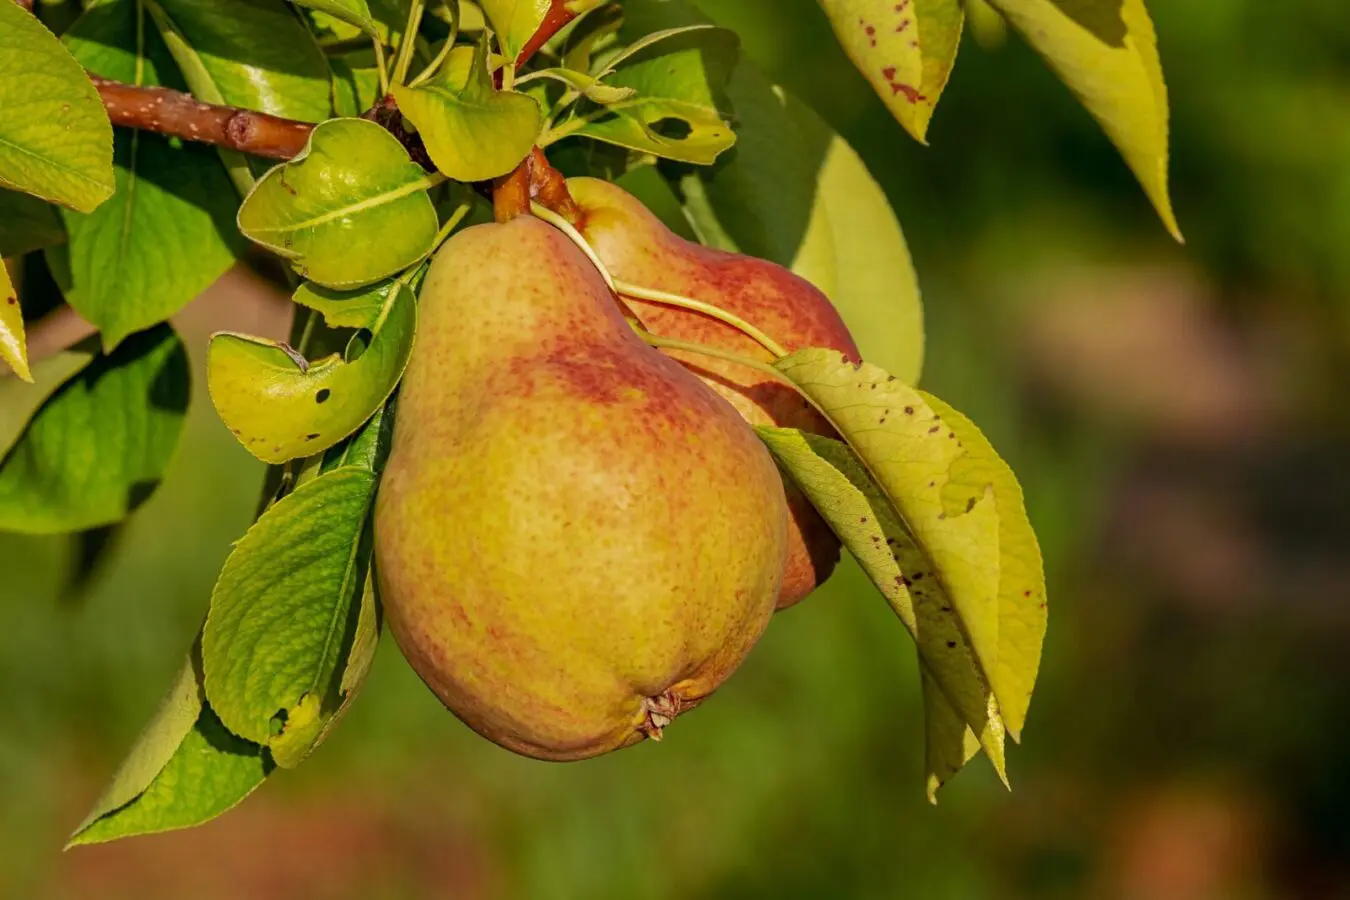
column 575, row 539
column 637, row 248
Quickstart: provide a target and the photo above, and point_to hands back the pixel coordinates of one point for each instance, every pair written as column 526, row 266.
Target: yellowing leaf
column 515, row 21
column 1107, row 53
column 282, row 407
column 472, row 131
column 904, row 48
column 860, row 513
column 948, row 742
column 1021, row 590
column 13, row 348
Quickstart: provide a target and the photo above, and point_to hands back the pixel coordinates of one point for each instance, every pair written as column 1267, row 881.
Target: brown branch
column 174, row 113
column 25, row 4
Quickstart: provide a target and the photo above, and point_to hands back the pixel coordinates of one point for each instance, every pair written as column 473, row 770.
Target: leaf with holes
column 281, row 407
column 678, row 106
column 868, row 524
column 162, row 238
column 286, row 611
column 98, row 447
column 55, row 138
column 1107, row 53
column 904, row 48
column 13, row 346
column 351, row 209
column 515, row 22
column 184, row 769
column 472, row 131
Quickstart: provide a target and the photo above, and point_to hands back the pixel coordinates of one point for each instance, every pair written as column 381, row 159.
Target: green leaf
column 515, row 22
column 472, row 131
column 904, row 48
column 13, row 346
column 351, row 209
column 1021, row 588
column 588, row 86
column 20, row 400
column 184, row 769
column 1107, row 53
column 281, row 408
column 353, row 12
column 161, row 240
column 97, row 447
column 356, row 83
column 678, row 80
column 251, row 53
column 347, row 309
column 27, row 224
column 286, row 611
column 55, row 138
column 869, row 524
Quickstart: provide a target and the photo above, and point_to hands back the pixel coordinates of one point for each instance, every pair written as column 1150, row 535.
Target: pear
column 638, row 248
column 575, row 539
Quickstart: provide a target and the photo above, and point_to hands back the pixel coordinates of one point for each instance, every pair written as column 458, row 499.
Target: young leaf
column 13, row 346
column 160, row 241
column 27, row 224
column 867, row 523
column 55, row 138
column 677, row 107
column 251, row 53
column 1107, row 53
column 285, row 613
column 353, row 12
column 904, row 48
column 472, row 131
column 588, row 86
column 184, row 769
column 351, row 209
column 96, row 449
column 1021, row 586
column 283, row 408
column 912, row 454
column 347, row 309
column 515, row 22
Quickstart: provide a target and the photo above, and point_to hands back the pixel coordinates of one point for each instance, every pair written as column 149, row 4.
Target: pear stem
column 625, row 289
column 566, row 227
column 409, row 41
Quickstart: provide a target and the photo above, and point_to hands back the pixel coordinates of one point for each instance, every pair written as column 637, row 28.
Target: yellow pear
column 575, row 539
column 637, row 248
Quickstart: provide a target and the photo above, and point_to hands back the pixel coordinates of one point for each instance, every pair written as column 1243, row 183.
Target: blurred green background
column 1176, row 415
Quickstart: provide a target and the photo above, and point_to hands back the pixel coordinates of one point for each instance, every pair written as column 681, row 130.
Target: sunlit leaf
column 904, row 48
column 285, row 613
column 184, row 769
column 354, row 12
column 55, row 138
column 351, row 209
column 1107, row 53
column 903, row 569
column 97, row 448
column 281, row 407
column 949, row 743
column 515, row 21
column 678, row 106
column 13, row 345
column 472, row 131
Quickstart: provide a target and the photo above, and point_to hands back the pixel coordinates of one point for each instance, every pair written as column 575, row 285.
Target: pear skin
column 638, row 248
column 575, row 539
